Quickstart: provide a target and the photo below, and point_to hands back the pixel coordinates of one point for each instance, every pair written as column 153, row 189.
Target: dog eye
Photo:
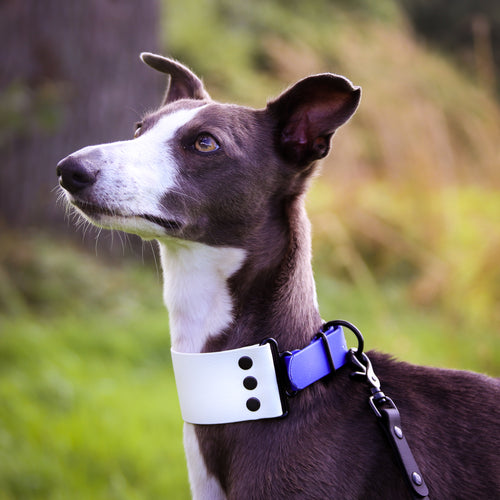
column 137, row 132
column 205, row 143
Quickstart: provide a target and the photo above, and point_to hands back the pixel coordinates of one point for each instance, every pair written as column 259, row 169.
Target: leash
column 387, row 414
column 255, row 382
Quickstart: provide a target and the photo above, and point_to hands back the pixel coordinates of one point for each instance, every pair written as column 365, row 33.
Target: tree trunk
column 70, row 76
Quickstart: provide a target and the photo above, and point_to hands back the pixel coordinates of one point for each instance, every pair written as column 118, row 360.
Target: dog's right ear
column 182, row 84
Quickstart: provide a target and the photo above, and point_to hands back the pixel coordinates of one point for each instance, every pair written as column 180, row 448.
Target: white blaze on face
column 135, row 175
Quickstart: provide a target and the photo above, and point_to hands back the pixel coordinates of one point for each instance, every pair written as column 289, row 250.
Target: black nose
column 75, row 175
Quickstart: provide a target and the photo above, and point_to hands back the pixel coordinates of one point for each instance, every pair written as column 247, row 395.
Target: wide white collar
column 227, row 386
column 251, row 383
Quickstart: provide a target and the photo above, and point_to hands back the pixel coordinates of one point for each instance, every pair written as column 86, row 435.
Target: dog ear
column 309, row 113
column 182, row 84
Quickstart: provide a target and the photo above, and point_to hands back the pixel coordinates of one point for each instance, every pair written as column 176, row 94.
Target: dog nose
column 74, row 175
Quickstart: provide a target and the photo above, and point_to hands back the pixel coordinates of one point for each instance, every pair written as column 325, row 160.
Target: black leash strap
column 390, row 421
column 387, row 414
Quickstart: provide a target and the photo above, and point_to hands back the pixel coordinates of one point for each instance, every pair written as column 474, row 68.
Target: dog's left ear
column 309, row 113
column 183, row 83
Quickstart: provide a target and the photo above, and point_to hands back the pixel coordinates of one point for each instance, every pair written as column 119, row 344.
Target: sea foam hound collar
column 252, row 383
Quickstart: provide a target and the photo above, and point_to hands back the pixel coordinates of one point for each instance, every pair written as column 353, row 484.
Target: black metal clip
column 364, row 372
column 363, row 368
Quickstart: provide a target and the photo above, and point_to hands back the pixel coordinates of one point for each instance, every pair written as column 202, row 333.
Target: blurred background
column 406, row 213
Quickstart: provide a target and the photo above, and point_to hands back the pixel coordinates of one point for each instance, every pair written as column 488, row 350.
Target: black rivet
column 253, row 404
column 250, row 383
column 245, row 363
column 417, row 478
column 398, row 432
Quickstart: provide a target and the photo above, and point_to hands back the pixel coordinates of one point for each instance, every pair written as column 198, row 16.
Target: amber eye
column 137, row 132
column 205, row 143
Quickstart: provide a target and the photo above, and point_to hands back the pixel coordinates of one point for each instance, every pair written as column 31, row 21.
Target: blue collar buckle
column 326, row 353
column 296, row 370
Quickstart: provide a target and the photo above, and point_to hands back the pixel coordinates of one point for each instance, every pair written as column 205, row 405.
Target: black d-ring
column 349, row 326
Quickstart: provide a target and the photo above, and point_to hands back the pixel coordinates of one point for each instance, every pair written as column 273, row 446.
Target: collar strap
column 252, row 383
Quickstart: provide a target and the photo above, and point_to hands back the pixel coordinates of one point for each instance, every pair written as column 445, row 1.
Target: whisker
column 182, row 194
column 122, row 237
column 96, row 247
column 157, row 267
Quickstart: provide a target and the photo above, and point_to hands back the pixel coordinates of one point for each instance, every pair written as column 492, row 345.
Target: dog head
column 204, row 171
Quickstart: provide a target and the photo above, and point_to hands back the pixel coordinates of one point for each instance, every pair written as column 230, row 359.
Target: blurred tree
column 69, row 77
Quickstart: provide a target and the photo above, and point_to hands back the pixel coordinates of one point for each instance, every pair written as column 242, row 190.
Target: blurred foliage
column 232, row 43
column 472, row 32
column 45, row 279
column 406, row 237
column 441, row 246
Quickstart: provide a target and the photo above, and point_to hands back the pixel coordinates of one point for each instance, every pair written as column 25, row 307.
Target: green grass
column 88, row 409
column 88, row 406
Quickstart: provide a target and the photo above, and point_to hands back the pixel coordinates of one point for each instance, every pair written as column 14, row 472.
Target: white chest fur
column 196, row 291
column 199, row 303
column 203, row 485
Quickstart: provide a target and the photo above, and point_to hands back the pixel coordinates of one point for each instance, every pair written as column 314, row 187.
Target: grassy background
column 406, row 245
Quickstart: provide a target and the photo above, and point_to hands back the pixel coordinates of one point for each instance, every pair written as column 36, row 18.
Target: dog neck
column 222, row 298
